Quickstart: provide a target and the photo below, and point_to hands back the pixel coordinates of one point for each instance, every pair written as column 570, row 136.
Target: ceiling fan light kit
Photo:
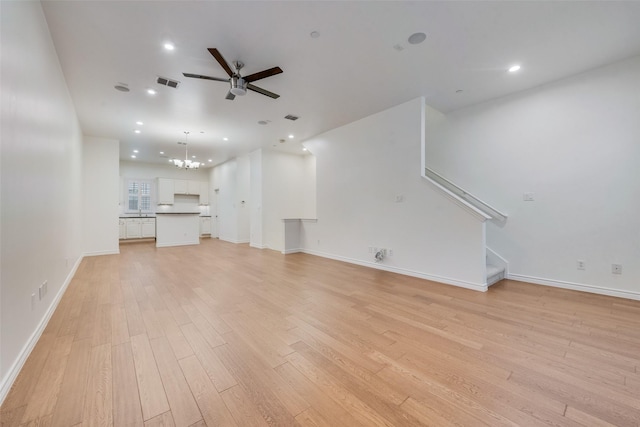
column 238, row 84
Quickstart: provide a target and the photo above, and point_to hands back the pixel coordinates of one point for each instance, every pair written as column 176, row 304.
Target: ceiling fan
column 239, row 84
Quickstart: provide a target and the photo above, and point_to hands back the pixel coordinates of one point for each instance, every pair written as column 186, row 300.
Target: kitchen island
column 177, row 228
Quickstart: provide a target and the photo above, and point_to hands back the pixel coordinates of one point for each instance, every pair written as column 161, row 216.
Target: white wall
column 242, row 199
column 362, row 168
column 224, row 179
column 575, row 145
column 182, row 203
column 41, row 182
column 100, row 190
column 289, row 191
column 151, row 171
column 256, row 239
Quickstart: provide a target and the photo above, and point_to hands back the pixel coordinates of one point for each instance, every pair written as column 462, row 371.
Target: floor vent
column 168, row 82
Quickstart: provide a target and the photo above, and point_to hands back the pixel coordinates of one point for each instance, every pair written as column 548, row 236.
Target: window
column 139, row 193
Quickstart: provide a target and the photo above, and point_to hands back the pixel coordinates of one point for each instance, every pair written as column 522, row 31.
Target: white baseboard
column 253, row 245
column 98, row 253
column 482, row 287
column 233, row 241
column 165, row 245
column 575, row 286
column 291, row 251
column 12, row 373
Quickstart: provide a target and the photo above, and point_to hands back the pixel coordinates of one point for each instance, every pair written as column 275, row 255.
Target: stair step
column 494, row 274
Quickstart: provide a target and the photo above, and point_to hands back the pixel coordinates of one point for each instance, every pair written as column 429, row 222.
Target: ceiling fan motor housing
column 238, row 86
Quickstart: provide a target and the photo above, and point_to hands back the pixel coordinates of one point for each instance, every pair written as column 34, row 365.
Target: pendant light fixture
column 186, row 163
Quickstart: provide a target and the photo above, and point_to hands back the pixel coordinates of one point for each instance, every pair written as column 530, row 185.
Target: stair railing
column 462, row 193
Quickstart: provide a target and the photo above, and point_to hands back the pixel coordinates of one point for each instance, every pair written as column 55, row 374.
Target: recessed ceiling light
column 262, row 122
column 514, row 68
column 135, row 151
column 133, row 156
column 169, row 46
column 193, row 157
column 304, row 149
column 210, row 160
column 417, row 38
column 459, row 91
column 290, row 136
column 151, row 91
column 314, row 34
column 137, row 131
column 139, row 123
column 121, row 88
column 162, row 152
column 225, row 139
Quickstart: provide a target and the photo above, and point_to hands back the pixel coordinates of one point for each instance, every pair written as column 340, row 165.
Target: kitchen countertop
column 177, row 213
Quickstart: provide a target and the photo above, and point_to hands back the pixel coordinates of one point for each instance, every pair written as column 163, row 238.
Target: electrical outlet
column 45, row 288
column 390, row 252
column 40, row 293
column 580, row 264
column 33, row 301
column 528, row 197
column 616, row 268
column 370, row 249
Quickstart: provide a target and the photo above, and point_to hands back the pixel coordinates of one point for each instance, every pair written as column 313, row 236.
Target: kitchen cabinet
column 180, row 186
column 148, row 227
column 137, row 228
column 134, row 230
column 123, row 228
column 205, row 225
column 193, row 187
column 189, row 187
column 204, row 193
column 165, row 191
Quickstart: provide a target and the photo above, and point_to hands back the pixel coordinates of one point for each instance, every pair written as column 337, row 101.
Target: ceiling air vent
column 168, row 82
column 291, row 117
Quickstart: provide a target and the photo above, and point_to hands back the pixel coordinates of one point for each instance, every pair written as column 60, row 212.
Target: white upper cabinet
column 165, row 191
column 193, row 187
column 180, row 186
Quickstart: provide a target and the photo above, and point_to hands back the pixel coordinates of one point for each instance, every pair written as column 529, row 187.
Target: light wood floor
column 221, row 334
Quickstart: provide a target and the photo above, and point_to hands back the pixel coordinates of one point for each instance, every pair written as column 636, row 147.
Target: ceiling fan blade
column 230, row 96
column 199, row 76
column 216, row 54
column 262, row 74
column 262, row 91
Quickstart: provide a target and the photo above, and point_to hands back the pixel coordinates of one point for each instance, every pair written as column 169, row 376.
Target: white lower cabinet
column 148, row 227
column 137, row 228
column 123, row 228
column 205, row 225
column 134, row 231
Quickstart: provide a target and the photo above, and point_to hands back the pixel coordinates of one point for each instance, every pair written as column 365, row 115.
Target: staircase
column 494, row 274
column 496, row 265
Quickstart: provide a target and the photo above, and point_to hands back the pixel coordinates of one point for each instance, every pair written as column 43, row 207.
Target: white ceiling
column 352, row 70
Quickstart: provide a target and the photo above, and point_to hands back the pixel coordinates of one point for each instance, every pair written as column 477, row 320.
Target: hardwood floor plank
column 152, row 396
column 162, row 420
column 183, row 407
column 242, row 408
column 126, row 397
column 216, row 371
column 45, row 394
column 258, row 392
column 213, row 409
column 98, row 409
column 70, row 406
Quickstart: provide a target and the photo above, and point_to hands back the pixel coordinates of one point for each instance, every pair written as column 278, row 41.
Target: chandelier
column 186, row 163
